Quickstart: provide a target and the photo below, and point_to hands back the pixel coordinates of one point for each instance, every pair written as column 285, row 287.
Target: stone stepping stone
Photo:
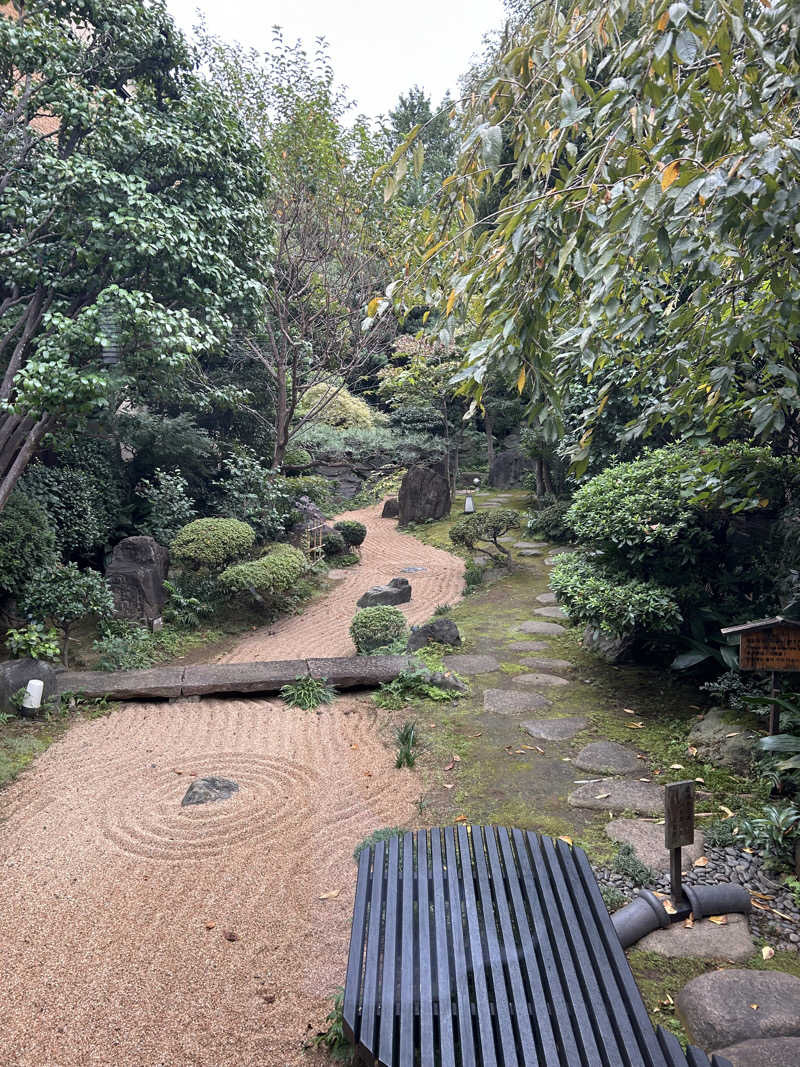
column 544, row 664
column 546, row 598
column 705, row 940
column 619, row 794
column 555, row 729
column 715, row 1007
column 513, row 701
column 505, row 540
column 467, row 664
column 530, row 552
column 540, row 679
column 539, row 626
column 607, row 757
column 528, row 544
column 764, row 1052
column 337, row 573
column 552, row 611
column 647, row 839
column 529, row 646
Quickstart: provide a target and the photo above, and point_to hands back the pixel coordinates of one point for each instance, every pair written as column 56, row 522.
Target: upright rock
column 508, row 468
column 440, row 630
column 391, row 508
column 424, row 494
column 136, row 575
column 398, row 591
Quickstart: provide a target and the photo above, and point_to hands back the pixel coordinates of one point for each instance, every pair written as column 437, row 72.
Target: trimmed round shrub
column 353, row 532
column 317, row 488
column 339, row 407
column 296, row 457
column 212, row 543
column 333, row 544
column 372, row 628
column 27, row 542
column 273, row 575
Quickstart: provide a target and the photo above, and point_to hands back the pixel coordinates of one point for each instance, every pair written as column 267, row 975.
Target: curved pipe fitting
column 720, row 899
column 644, row 914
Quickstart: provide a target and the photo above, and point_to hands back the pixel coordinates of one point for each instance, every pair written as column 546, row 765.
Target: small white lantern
column 32, row 700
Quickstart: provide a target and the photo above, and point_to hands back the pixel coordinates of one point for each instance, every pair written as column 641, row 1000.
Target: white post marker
column 32, row 700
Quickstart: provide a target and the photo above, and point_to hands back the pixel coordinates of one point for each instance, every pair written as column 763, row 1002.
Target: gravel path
column 322, row 629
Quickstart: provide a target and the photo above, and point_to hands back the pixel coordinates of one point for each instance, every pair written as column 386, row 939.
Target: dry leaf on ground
column 767, row 952
column 701, row 862
column 718, row 920
column 331, row 894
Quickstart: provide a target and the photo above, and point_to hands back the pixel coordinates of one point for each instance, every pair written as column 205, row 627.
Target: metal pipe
column 644, row 914
column 720, row 899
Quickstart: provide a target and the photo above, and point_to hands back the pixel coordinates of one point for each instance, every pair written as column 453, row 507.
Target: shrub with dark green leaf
column 34, row 641
column 775, row 833
column 125, row 646
column 333, row 544
column 169, row 506
column 63, row 594
column 551, row 522
column 296, row 457
column 307, row 693
column 353, row 532
column 373, row 628
column 27, row 542
column 317, row 488
column 486, row 528
column 253, row 493
column 183, row 608
column 272, row 576
column 210, row 544
column 386, row 833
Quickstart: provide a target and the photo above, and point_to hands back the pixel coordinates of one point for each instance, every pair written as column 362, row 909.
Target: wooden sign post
column 769, row 645
column 678, row 830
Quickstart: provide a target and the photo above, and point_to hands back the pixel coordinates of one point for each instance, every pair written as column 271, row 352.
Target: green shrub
column 628, row 863
column 296, row 457
column 485, row 528
column 169, row 506
column 775, row 833
column 386, row 833
column 595, row 596
column 317, row 488
column 473, row 576
column 340, row 407
column 273, row 575
column 551, row 523
column 347, row 560
column 126, row 646
column 212, row 543
column 306, row 692
column 64, row 595
column 353, row 532
column 251, row 492
column 333, row 544
column 372, row 628
column 183, row 608
column 613, row 898
column 27, row 542
column 35, row 640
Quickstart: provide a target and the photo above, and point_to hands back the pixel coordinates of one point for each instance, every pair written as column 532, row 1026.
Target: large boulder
column 608, row 647
column 723, row 1008
column 15, row 675
column 346, row 479
column 391, row 508
column 508, row 468
column 440, row 630
column 720, row 739
column 424, row 494
column 398, row 591
column 136, row 575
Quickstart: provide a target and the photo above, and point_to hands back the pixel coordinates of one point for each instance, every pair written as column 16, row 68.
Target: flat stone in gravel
column 619, row 794
column 465, row 664
column 539, row 626
column 705, row 940
column 529, row 646
column 538, row 678
column 764, row 1052
column 552, row 611
column 607, row 757
column 512, row 701
column 555, row 729
column 546, row 598
column 207, row 790
column 648, row 841
column 716, row 1008
column 542, row 663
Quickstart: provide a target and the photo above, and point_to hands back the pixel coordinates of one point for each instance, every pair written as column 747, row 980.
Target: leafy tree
column 436, row 148
column 486, row 528
column 63, row 594
column 133, row 218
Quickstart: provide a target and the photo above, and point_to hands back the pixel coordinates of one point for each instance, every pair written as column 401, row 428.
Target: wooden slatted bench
column 489, row 947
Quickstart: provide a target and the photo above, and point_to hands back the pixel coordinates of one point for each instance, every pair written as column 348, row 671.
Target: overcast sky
column 378, row 49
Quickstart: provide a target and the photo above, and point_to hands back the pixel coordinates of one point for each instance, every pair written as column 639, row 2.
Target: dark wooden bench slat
column 389, row 975
column 352, row 985
column 369, row 1009
column 408, row 944
column 426, row 962
column 446, row 1045
column 461, row 970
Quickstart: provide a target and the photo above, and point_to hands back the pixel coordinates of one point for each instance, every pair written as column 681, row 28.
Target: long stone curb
column 344, row 672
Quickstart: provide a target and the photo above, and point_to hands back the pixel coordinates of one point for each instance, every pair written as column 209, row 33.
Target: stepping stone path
column 551, row 612
column 705, row 940
column 619, row 794
column 528, row 544
column 555, row 729
column 543, row 664
column 723, row 1008
column 530, row 552
column 465, row 664
column 607, row 757
column 539, row 626
column 529, row 646
column 647, row 839
column 540, row 679
column 512, row 701
column 546, row 598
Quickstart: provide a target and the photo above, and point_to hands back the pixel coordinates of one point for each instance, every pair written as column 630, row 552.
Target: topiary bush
column 353, row 532
column 296, row 457
column 272, row 576
column 339, row 407
column 486, row 527
column 333, row 544
column 317, row 488
column 212, row 543
column 27, row 542
column 373, row 628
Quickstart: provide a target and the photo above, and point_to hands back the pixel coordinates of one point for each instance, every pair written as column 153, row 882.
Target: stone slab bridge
column 174, row 683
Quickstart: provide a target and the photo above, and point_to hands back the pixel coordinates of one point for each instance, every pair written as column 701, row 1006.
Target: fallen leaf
column 478, row 734
column 676, row 766
column 669, row 999
column 176, row 771
column 718, row 920
column 669, row 907
column 456, row 759
column 760, row 906
column 762, row 896
column 540, row 750
column 749, row 851
column 519, row 751
column 431, row 725
column 703, row 814
column 230, row 935
column 331, row 894
column 754, row 1007
column 701, row 862
column 602, row 796
column 689, row 922
column 565, row 838
column 508, row 749
column 734, row 734
column 692, row 750
column 354, row 746
column 461, row 818
column 450, row 786
column 702, row 781
column 767, row 952
column 629, row 711
column 367, row 774
column 450, row 765
column 210, row 925
column 635, row 725
column 728, row 812
column 640, row 756
column 644, row 779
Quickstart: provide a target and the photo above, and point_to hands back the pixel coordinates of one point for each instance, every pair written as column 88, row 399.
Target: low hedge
column 212, row 543
column 353, row 532
column 273, row 575
column 372, row 628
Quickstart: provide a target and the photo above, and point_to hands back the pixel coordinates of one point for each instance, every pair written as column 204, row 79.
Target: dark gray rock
column 716, row 1008
column 764, row 1052
column 476, row 664
column 346, row 479
column 508, row 469
column 555, row 729
column 136, row 575
column 720, row 739
column 398, row 591
column 619, row 794
column 704, row 940
column 15, row 675
column 546, row 598
column 208, row 790
column 204, row 679
column 513, row 701
column 551, row 611
column 606, row 646
column 158, row 682
column 424, row 494
column 441, row 630
column 391, row 508
column 607, row 757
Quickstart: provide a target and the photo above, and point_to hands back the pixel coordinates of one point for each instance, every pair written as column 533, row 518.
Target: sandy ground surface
column 108, row 886
column 322, row 629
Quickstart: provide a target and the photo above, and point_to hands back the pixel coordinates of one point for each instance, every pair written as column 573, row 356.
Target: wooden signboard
column 679, row 814
column 774, row 649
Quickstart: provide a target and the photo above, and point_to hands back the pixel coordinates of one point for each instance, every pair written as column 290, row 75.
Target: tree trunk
column 539, row 478
column 25, row 448
column 282, row 417
column 489, row 426
column 548, row 481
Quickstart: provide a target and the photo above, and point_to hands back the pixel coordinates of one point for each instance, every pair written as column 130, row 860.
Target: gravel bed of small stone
column 731, row 864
